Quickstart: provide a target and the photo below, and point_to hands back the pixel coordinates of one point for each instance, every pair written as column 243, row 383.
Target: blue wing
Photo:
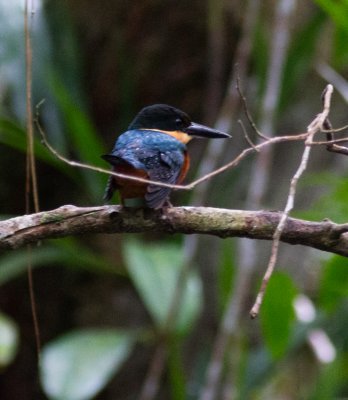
column 160, row 155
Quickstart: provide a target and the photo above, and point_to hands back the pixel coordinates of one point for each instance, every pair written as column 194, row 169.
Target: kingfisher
column 154, row 147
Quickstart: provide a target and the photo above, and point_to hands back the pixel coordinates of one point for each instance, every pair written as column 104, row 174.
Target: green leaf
column 154, row 269
column 84, row 137
column 337, row 10
column 8, row 340
column 15, row 263
column 68, row 252
column 340, row 53
column 277, row 314
column 226, row 272
column 14, row 136
column 176, row 371
column 334, row 282
column 333, row 202
column 331, row 380
column 78, row 365
column 74, row 254
column 300, row 58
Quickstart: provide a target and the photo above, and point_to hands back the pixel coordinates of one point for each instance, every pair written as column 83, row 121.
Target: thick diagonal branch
column 70, row 220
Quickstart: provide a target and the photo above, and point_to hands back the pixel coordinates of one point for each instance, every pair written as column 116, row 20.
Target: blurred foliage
column 300, row 59
column 226, row 273
column 338, row 12
column 277, row 315
column 8, row 340
column 154, row 270
column 334, row 283
column 79, row 364
column 95, row 65
column 332, row 199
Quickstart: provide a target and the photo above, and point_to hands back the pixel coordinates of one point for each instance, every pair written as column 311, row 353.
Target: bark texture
column 70, row 220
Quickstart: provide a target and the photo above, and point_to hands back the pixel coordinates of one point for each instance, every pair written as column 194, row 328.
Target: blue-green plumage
column 154, row 147
column 148, row 149
column 161, row 156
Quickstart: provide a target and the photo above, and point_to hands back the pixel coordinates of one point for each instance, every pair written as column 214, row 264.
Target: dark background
column 96, row 64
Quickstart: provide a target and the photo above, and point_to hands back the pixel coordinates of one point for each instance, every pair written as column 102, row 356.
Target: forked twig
column 319, row 124
column 332, row 146
column 190, row 186
column 247, row 112
column 315, row 126
column 247, row 138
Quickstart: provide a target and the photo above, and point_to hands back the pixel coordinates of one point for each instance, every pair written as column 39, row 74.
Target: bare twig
column 247, row 138
column 315, row 126
column 257, row 188
column 333, row 147
column 31, row 176
column 247, row 112
column 31, row 167
column 338, row 149
column 343, row 128
column 234, row 304
column 243, row 154
column 190, row 186
column 326, row 142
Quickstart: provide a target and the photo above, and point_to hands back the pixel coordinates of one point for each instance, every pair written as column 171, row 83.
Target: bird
column 154, row 147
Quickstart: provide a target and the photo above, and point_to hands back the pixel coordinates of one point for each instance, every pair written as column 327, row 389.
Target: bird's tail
column 110, row 188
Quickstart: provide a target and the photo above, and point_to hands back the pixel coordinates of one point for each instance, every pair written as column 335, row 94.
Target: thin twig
column 338, row 149
column 77, row 164
column 342, row 128
column 243, row 54
column 257, row 188
column 315, row 126
column 247, row 138
column 31, row 176
column 31, row 167
column 326, row 142
column 190, row 186
column 247, row 112
column 334, row 148
column 215, row 151
column 236, row 160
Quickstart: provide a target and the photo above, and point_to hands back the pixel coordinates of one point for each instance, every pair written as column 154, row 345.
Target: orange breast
column 131, row 189
column 184, row 169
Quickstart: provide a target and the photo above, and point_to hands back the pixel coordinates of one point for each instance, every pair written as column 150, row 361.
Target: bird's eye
column 179, row 122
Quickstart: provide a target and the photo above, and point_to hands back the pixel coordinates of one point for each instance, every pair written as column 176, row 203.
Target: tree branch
column 70, row 220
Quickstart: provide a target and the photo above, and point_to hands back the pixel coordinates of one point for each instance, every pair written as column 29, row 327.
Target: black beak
column 203, row 131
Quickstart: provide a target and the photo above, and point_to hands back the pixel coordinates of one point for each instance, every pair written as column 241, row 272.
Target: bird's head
column 174, row 122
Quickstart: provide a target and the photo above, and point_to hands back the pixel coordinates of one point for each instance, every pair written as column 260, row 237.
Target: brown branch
column 338, row 149
column 70, row 220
